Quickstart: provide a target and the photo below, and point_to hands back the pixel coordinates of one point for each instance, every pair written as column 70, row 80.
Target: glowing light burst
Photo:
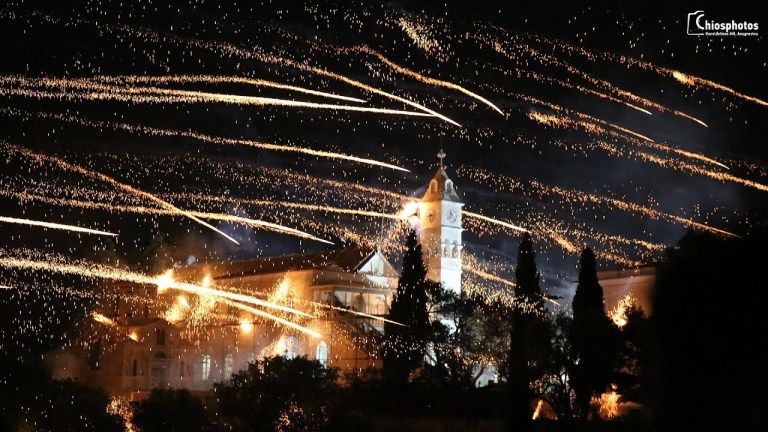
column 619, row 314
column 30, row 222
column 99, row 318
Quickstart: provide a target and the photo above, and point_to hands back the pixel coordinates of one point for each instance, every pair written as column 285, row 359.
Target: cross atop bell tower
column 440, row 234
column 441, row 156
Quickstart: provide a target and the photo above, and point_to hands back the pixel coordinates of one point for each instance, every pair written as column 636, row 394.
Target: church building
column 158, row 336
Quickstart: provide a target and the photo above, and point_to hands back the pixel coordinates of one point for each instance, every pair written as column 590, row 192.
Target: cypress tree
column 593, row 337
column 406, row 346
column 529, row 339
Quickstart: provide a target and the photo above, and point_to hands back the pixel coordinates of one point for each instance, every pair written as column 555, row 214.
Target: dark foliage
column 594, row 339
column 171, row 411
column 278, row 394
column 710, row 335
column 529, row 341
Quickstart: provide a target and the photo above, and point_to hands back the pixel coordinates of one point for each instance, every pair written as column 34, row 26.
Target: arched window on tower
column 447, row 251
column 205, row 370
column 433, row 186
column 229, row 365
column 321, row 354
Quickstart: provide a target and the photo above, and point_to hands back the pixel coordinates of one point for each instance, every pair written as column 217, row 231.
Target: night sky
column 600, row 142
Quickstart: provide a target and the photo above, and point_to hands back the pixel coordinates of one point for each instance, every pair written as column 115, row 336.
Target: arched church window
column 321, row 354
column 205, row 370
column 229, row 365
column 446, row 251
column 433, row 186
column 455, row 253
column 160, row 336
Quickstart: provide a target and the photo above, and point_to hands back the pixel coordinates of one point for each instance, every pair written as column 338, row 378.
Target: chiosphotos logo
column 699, row 25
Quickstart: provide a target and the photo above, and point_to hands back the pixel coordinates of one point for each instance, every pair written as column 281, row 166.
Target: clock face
column 452, row 215
column 431, row 215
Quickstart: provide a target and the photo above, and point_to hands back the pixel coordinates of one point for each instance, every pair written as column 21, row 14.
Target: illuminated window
column 229, row 365
column 321, row 355
column 291, row 348
column 205, row 371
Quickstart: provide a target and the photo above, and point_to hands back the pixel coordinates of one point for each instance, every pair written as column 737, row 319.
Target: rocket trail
column 495, row 221
column 277, row 319
column 24, row 196
column 214, row 79
column 54, row 226
column 139, row 129
column 593, row 128
column 105, row 272
column 302, row 206
column 426, row 79
column 701, row 82
column 89, row 90
column 41, row 158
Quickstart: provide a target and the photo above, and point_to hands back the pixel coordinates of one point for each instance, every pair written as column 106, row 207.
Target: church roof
column 349, row 260
column 441, row 188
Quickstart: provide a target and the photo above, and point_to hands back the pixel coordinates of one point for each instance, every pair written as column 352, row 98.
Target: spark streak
column 104, row 272
column 89, row 90
column 103, row 177
column 140, row 129
column 24, row 196
column 213, row 79
column 495, row 221
column 277, row 319
column 700, row 82
column 426, row 79
column 54, row 226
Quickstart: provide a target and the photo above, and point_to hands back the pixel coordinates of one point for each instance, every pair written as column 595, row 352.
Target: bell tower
column 440, row 234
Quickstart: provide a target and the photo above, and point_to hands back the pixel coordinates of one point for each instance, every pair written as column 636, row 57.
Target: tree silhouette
column 709, row 334
column 170, row 411
column 406, row 346
column 593, row 338
column 529, row 339
column 278, row 394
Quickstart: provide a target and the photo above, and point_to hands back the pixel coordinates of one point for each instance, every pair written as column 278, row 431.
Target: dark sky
column 572, row 63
